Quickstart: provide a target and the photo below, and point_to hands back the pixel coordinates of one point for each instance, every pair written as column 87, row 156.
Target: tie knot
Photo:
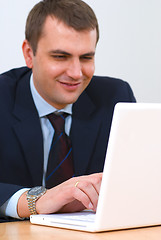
column 57, row 121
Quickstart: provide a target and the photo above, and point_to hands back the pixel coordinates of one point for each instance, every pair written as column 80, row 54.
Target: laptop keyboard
column 81, row 216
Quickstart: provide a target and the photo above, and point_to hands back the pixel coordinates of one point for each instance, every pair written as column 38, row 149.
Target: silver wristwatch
column 32, row 196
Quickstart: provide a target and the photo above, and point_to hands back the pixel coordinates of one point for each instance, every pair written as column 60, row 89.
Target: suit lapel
column 84, row 130
column 28, row 130
column 86, row 123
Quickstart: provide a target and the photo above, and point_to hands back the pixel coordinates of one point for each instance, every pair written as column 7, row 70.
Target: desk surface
column 26, row 231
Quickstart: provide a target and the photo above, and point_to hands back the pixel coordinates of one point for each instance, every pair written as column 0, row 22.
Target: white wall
column 129, row 46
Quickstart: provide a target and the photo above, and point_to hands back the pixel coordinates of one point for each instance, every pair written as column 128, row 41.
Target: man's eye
column 59, row 57
column 86, row 58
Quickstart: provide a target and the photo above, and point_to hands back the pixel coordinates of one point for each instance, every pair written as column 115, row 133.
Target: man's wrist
column 33, row 195
column 22, row 206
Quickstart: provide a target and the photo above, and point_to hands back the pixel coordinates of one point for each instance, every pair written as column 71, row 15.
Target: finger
column 83, row 197
column 95, row 180
column 89, row 190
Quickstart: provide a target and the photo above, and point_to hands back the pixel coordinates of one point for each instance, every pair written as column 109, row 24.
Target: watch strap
column 32, row 205
column 31, row 198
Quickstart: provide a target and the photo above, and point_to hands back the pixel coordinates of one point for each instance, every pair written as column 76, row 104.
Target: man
column 59, row 50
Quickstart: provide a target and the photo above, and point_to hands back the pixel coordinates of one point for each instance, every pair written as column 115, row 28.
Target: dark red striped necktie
column 60, row 164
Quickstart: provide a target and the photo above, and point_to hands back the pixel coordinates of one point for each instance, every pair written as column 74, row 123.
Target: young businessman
column 59, row 50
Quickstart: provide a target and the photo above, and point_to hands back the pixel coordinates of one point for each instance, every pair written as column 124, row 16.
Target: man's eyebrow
column 58, row 51
column 91, row 54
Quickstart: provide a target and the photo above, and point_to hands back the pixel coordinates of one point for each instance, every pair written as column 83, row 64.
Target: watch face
column 36, row 190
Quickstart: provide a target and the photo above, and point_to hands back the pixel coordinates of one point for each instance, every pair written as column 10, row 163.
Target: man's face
column 63, row 64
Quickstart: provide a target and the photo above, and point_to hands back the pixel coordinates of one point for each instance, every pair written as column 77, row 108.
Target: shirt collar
column 42, row 106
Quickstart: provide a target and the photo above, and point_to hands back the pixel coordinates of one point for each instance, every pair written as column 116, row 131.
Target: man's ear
column 28, row 53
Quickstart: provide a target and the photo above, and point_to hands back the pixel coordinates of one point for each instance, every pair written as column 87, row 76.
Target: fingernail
column 90, row 206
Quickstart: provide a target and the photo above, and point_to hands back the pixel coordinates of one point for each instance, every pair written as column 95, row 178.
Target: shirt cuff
column 9, row 208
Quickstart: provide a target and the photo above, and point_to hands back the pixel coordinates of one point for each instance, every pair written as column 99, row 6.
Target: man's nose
column 75, row 69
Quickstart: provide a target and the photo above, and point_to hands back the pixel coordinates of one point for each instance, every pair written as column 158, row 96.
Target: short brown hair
column 74, row 13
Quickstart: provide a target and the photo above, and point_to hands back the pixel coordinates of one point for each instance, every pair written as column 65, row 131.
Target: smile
column 70, row 86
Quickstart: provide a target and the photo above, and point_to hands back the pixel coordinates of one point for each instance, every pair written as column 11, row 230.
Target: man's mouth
column 69, row 85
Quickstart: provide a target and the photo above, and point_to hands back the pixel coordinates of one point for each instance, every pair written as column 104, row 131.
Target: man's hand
column 72, row 195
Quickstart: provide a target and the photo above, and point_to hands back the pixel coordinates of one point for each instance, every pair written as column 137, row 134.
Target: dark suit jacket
column 21, row 141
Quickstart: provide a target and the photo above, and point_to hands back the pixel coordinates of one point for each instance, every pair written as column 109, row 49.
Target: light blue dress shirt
column 9, row 208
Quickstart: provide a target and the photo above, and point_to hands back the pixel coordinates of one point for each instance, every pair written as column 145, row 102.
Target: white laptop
column 130, row 194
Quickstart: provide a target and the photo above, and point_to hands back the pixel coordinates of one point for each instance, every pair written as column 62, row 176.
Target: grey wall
column 129, row 46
